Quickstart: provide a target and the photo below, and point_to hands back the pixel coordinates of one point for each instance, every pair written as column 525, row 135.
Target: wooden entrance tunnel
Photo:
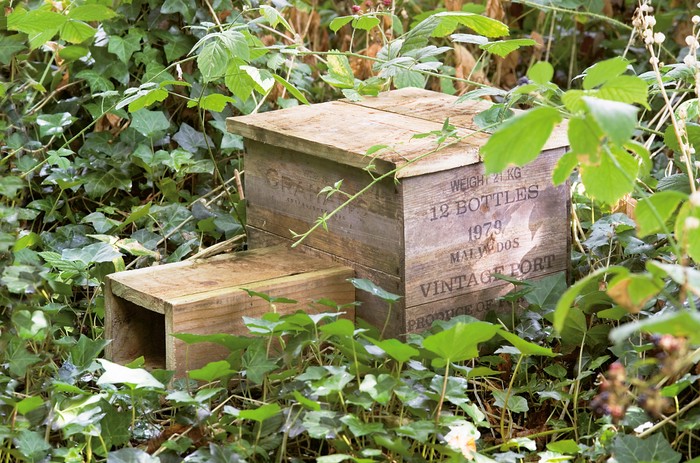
column 436, row 237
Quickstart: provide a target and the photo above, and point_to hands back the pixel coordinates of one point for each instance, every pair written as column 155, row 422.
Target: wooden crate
column 144, row 307
column 438, row 235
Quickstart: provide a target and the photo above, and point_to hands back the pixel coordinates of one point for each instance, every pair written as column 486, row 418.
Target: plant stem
column 507, row 398
column 442, row 393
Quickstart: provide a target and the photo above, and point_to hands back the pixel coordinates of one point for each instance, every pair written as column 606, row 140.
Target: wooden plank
column 222, row 310
column 344, row 132
column 462, row 226
column 282, row 188
column 370, row 308
column 477, row 304
column 155, row 287
column 436, row 107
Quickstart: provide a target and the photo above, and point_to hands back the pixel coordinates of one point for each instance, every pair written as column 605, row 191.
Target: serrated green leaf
column 445, row 23
column 91, row 12
column 365, row 22
column 74, row 31
column 29, row 404
column 503, row 47
column 519, row 139
column 213, row 59
column 653, row 212
column 339, row 22
column 339, row 72
column 625, row 89
column 617, row 120
column 274, row 17
column 611, row 178
column 215, row 102
column 603, row 71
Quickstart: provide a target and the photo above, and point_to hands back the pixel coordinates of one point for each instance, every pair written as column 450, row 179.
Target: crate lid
column 344, row 130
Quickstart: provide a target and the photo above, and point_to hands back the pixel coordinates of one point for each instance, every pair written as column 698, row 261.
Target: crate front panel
column 463, row 226
column 282, row 188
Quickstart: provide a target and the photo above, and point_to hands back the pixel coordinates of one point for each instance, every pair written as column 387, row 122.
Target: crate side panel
column 222, row 310
column 154, row 287
column 282, row 189
column 134, row 331
column 478, row 304
column 370, row 308
column 463, row 226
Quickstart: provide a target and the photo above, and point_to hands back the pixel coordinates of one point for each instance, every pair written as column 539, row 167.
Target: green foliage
column 115, row 155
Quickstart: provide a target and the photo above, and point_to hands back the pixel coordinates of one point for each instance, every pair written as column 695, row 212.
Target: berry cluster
column 615, row 388
column 614, row 396
column 369, row 5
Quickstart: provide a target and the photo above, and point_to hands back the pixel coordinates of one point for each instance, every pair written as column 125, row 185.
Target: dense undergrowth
column 114, row 155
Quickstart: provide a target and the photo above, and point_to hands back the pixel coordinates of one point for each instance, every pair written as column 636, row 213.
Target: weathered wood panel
column 282, row 189
column 462, row 227
column 370, row 308
column 144, row 307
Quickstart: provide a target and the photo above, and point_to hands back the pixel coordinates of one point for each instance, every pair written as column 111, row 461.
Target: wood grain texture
column 282, row 188
column 144, row 307
column 462, row 227
column 370, row 309
column 343, row 131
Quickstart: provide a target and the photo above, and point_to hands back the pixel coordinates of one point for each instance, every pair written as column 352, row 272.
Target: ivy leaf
column 149, row 123
column 261, row 413
column 256, row 363
column 125, row 46
column 516, row 403
column 191, row 139
column 118, row 374
column 369, row 287
column 32, row 445
column 459, row 342
column 359, row 428
column 185, row 7
column 632, row 449
column 91, row 254
column 398, row 350
column 654, row 211
column 131, row 455
column 54, row 124
column 504, row 47
column 519, row 139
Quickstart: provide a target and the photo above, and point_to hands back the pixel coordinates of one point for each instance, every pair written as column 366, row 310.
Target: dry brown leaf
column 506, row 76
column 682, row 30
column 111, row 123
column 362, row 68
column 454, row 5
column 464, row 69
column 539, row 47
column 495, row 10
column 627, row 205
column 608, row 8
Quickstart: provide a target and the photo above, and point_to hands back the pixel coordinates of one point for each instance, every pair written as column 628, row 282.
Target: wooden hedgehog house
column 435, row 230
